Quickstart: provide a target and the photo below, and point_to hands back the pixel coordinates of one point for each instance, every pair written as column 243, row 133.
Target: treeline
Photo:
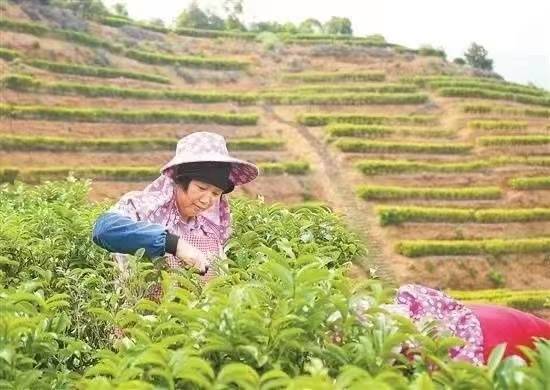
column 195, row 16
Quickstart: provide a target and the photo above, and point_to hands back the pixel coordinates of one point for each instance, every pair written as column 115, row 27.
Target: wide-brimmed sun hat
column 204, row 146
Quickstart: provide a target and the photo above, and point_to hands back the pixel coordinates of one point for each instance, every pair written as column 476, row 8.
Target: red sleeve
column 501, row 324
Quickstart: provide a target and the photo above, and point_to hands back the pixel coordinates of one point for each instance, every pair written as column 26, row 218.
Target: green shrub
column 126, row 116
column 376, row 192
column 338, row 40
column 48, row 284
column 489, row 86
column 395, row 215
column 8, row 175
column 459, row 61
column 497, row 125
column 419, row 248
column 489, row 94
column 87, row 40
column 477, row 109
column 376, row 167
column 19, row 82
column 115, row 21
column 120, row 173
column 138, row 55
column 70, row 320
column 38, row 175
column 496, row 278
column 512, row 215
column 315, row 77
column 527, row 300
column 351, row 130
column 487, row 109
column 38, row 29
column 514, row 140
column 59, row 305
column 8, row 55
column 527, row 304
column 190, row 61
column 202, row 33
column 83, row 70
column 334, row 37
column 27, row 83
column 319, row 119
column 363, row 146
column 269, row 41
column 23, row 27
column 428, row 51
column 374, row 87
column 530, row 183
column 495, row 294
column 291, row 168
column 297, row 167
column 342, row 38
column 30, row 143
column 344, row 98
column 255, row 144
column 425, row 81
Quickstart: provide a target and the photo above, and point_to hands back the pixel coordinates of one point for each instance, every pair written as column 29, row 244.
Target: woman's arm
column 121, row 234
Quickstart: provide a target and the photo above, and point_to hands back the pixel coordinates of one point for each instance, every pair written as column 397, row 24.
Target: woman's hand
column 192, row 256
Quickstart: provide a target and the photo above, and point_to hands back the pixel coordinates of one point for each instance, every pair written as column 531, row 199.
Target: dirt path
column 340, row 191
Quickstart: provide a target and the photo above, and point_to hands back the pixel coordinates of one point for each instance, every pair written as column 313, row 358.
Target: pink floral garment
column 425, row 304
column 157, row 204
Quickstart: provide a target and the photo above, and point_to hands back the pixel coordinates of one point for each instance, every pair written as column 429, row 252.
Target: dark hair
column 212, row 172
column 182, row 181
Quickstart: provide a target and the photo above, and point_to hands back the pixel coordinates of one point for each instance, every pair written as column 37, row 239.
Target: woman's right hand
column 192, row 256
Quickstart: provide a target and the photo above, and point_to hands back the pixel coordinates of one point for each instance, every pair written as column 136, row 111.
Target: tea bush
column 519, row 299
column 315, row 77
column 94, row 71
column 497, row 125
column 125, row 116
column 490, row 94
column 534, row 139
column 377, row 167
column 419, row 248
column 121, row 173
column 364, row 146
column 502, row 110
column 377, row 192
column 281, row 314
column 14, row 142
column 530, row 183
column 367, row 131
column 395, row 215
column 319, row 119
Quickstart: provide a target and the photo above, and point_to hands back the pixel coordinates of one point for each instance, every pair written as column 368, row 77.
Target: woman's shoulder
column 142, row 205
column 145, row 203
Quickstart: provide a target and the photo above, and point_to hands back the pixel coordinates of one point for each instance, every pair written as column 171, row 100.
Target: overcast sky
column 516, row 33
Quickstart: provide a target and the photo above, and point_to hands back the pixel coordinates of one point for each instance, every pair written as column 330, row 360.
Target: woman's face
column 198, row 198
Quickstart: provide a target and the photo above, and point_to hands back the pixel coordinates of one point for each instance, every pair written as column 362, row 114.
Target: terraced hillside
column 445, row 174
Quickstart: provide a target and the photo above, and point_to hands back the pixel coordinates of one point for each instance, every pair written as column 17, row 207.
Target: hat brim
column 242, row 172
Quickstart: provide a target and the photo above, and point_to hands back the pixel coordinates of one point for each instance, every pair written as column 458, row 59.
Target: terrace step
column 346, row 202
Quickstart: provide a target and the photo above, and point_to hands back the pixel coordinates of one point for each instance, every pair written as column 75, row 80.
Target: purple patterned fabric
column 425, row 304
column 206, row 146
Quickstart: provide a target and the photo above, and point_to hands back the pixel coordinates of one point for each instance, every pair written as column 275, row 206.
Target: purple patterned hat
column 206, row 146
